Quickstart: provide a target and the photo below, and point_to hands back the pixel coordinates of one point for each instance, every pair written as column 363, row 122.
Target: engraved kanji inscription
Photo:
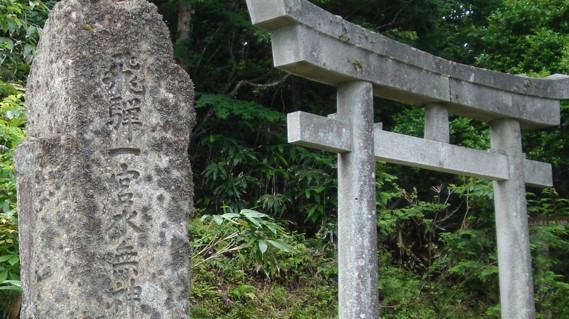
column 125, row 177
column 127, row 296
column 125, row 222
column 124, row 85
column 125, row 113
column 126, row 260
column 124, row 74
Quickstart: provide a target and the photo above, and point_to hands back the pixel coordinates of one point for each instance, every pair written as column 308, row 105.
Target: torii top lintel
column 313, row 43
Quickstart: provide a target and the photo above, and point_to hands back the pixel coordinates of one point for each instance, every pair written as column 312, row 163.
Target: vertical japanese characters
column 124, row 88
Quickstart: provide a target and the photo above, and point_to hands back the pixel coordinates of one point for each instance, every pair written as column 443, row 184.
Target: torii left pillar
column 357, row 224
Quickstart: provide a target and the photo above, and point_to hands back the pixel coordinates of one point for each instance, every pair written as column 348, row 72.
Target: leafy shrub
column 297, row 280
column 245, row 161
column 20, row 28
column 248, row 230
column 11, row 133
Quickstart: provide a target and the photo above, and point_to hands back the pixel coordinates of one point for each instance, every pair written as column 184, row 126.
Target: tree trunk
column 185, row 13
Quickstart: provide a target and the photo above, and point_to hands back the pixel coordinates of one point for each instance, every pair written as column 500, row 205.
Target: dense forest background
column 264, row 228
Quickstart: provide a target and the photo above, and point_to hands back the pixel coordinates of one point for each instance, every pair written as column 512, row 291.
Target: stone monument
column 104, row 180
column 312, row 43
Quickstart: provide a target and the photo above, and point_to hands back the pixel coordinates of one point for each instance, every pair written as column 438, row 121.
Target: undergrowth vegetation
column 11, row 133
column 234, row 280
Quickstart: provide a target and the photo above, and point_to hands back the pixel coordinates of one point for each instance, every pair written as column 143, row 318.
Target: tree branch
column 395, row 17
column 256, row 85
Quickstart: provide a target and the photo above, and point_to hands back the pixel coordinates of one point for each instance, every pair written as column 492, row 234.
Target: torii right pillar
column 512, row 231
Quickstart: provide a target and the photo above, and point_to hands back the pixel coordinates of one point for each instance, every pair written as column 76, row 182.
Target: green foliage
column 11, row 133
column 247, row 230
column 527, row 36
column 20, row 28
column 549, row 214
column 224, row 47
column 226, row 108
column 438, row 254
column 239, row 146
column 285, row 181
column 225, row 282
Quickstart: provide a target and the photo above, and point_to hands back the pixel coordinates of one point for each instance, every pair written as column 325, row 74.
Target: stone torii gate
column 309, row 42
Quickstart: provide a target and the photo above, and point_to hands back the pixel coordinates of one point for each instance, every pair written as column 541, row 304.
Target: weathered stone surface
column 358, row 295
column 332, row 135
column 436, row 123
column 303, row 34
column 104, row 182
column 512, row 232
